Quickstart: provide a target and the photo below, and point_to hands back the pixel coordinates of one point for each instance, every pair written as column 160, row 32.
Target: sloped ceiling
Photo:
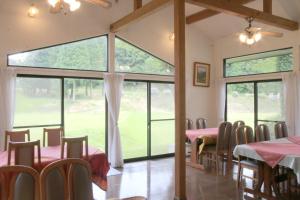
column 223, row 25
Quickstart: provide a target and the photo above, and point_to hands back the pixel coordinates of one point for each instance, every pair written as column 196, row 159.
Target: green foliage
column 129, row 58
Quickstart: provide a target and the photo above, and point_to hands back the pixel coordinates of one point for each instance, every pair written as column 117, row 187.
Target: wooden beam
column 243, row 11
column 137, row 14
column 137, row 4
column 209, row 13
column 267, row 6
column 179, row 55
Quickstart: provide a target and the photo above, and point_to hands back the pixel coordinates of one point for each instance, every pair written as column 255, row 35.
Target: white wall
column 19, row 33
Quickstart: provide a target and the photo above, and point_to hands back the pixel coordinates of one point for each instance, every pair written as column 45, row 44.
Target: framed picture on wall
column 201, row 74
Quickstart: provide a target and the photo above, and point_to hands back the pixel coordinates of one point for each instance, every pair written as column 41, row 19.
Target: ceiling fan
column 253, row 34
column 58, row 6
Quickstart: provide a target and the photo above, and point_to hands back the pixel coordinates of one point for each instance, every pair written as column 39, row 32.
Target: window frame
column 145, row 51
column 255, row 96
column 224, row 64
column 62, row 107
column 55, row 45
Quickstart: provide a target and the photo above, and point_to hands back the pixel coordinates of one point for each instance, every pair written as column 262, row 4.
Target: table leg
column 194, row 157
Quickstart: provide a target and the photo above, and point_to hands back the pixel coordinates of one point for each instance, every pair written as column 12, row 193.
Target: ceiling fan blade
column 103, row 3
column 254, row 29
column 272, row 34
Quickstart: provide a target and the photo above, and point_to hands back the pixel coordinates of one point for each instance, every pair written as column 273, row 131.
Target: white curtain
column 7, row 101
column 221, row 96
column 113, row 85
column 291, row 93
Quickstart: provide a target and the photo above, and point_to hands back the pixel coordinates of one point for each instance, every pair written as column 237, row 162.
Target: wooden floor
column 155, row 180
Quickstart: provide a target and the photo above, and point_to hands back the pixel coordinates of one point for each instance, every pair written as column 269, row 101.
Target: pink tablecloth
column 198, row 133
column 97, row 159
column 273, row 153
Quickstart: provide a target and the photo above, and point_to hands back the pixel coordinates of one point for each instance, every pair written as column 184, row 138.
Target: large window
column 133, row 120
column 88, row 54
column 40, row 103
column 260, row 63
column 257, row 102
column 84, row 110
column 131, row 59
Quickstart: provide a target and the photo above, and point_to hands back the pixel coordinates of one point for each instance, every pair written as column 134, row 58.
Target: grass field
column 86, row 116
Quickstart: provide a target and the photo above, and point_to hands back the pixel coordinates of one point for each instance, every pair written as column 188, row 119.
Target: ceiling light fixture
column 58, row 5
column 33, row 11
column 251, row 35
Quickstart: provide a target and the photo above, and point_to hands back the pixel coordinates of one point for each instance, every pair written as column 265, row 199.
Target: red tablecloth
column 198, row 133
column 273, row 153
column 97, row 159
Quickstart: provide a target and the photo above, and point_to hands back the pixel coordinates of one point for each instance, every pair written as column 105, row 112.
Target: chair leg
column 239, row 175
column 217, row 164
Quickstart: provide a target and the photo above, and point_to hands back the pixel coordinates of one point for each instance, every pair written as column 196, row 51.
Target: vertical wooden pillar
column 180, row 164
column 267, row 6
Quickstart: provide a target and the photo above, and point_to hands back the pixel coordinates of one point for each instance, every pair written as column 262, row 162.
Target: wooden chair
column 188, row 124
column 201, row 123
column 24, row 153
column 221, row 150
column 262, row 133
column 54, row 136
column 235, row 125
column 19, row 183
column 75, row 147
column 281, row 130
column 244, row 135
column 16, row 136
column 67, row 179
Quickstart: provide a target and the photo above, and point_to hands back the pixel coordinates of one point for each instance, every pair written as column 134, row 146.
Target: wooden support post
column 137, row 4
column 268, row 6
column 180, row 164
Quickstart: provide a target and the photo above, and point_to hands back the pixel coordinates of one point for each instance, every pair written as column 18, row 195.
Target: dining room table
column 96, row 157
column 199, row 138
column 269, row 155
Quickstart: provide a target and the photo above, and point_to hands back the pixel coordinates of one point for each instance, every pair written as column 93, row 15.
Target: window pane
column 270, row 101
column 162, row 101
column 38, row 101
column 162, row 137
column 133, row 120
column 134, row 60
column 240, row 103
column 268, row 62
column 89, row 54
column 85, row 110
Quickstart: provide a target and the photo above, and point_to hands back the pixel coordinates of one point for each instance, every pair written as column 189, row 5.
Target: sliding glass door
column 162, row 123
column 257, row 102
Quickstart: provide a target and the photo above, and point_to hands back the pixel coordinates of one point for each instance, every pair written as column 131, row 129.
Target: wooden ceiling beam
column 204, row 14
column 137, row 4
column 243, row 11
column 137, row 14
column 267, row 6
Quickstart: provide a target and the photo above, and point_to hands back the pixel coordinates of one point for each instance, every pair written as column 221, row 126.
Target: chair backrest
column 74, row 147
column 201, row 123
column 16, row 136
column 235, row 125
column 223, row 140
column 53, row 135
column 281, row 130
column 244, row 135
column 19, row 183
column 24, row 153
column 262, row 133
column 80, row 181
column 67, row 179
column 188, row 124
